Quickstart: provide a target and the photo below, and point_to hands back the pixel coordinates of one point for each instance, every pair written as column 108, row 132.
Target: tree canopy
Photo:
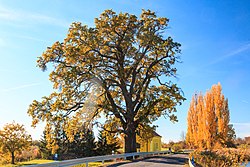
column 13, row 138
column 122, row 67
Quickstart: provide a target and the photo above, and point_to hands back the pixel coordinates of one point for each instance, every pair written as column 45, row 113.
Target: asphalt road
column 173, row 160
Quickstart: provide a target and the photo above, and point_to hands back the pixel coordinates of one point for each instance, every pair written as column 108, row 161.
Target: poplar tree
column 201, row 122
column 227, row 128
column 190, row 139
column 208, row 120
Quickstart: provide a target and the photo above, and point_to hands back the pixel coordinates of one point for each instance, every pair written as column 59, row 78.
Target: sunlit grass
column 94, row 164
column 42, row 161
column 32, row 162
column 164, row 149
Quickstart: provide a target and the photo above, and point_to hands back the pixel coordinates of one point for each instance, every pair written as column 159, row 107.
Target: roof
column 156, row 134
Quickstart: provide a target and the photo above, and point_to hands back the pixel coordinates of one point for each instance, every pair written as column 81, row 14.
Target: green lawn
column 32, row 162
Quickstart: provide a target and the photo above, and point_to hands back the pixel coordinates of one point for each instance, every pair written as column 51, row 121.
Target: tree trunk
column 147, row 146
column 12, row 158
column 130, row 138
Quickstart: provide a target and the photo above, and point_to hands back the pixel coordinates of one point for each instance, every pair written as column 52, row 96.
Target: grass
column 164, row 149
column 96, row 164
column 42, row 161
column 92, row 164
column 32, row 162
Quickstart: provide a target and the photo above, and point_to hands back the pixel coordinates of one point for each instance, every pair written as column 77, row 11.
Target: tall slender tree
column 208, row 120
column 190, row 132
column 226, row 129
column 201, row 122
column 211, row 124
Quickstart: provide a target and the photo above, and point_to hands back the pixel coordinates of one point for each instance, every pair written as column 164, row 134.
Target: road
column 173, row 160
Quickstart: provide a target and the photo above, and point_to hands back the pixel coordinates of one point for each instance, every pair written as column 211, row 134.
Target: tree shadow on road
column 168, row 160
column 157, row 160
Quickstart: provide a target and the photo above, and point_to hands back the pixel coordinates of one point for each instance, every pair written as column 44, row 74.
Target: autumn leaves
column 208, row 120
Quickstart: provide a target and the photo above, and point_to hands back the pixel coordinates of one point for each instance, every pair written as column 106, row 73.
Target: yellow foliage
column 208, row 120
column 108, row 69
column 13, row 138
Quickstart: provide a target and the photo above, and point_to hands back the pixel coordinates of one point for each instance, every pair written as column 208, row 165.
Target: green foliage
column 89, row 144
column 45, row 151
column 82, row 145
column 109, row 69
column 175, row 146
column 102, row 145
column 107, row 142
column 14, row 138
column 222, row 157
column 231, row 136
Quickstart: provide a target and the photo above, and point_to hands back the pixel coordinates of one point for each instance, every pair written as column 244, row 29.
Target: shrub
column 176, row 147
column 223, row 157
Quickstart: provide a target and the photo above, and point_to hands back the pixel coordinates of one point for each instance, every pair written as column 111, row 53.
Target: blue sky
column 215, row 38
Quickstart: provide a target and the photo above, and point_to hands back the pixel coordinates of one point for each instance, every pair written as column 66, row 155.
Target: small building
column 153, row 144
column 150, row 145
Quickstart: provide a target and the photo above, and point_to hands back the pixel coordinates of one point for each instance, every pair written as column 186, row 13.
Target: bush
column 179, row 146
column 28, row 154
column 176, row 147
column 223, row 157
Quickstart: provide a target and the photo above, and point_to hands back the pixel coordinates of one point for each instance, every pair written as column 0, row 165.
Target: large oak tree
column 122, row 67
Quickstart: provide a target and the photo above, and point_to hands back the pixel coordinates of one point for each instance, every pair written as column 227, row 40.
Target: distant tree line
column 243, row 142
